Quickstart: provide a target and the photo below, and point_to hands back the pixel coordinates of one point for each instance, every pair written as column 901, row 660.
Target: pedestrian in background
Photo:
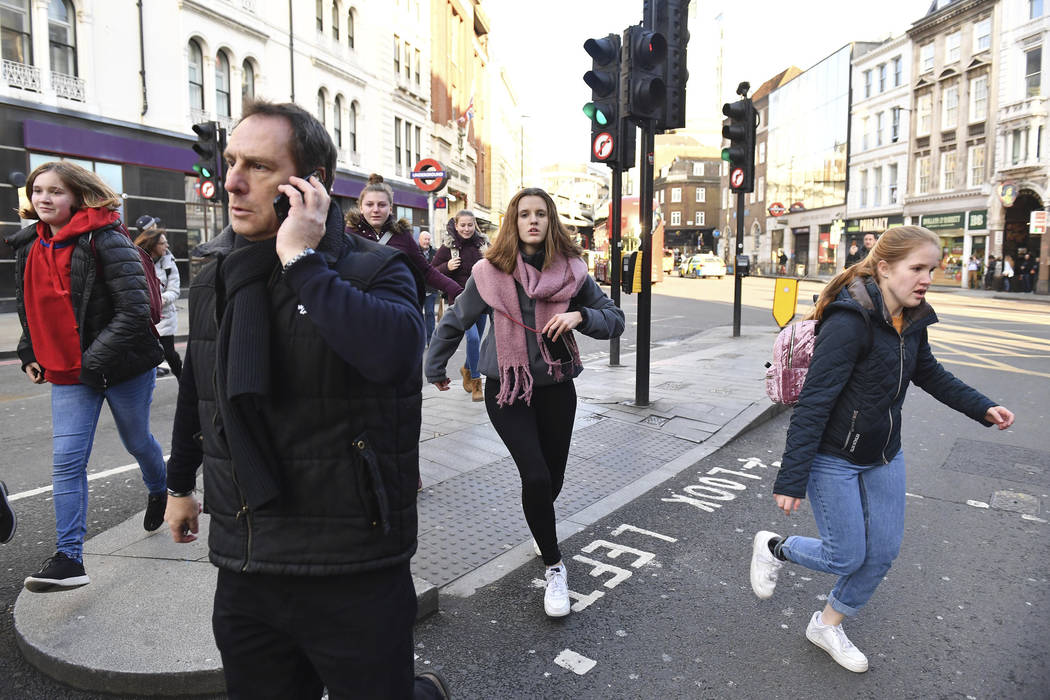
column 853, row 255
column 83, row 303
column 997, row 274
column 1023, row 267
column 153, row 238
column 843, row 447
column 465, row 247
column 534, row 283
column 429, row 320
column 1008, row 274
column 869, row 243
column 971, row 272
column 1033, row 275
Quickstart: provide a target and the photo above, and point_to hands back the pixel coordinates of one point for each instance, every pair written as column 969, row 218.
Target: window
column 1035, row 8
column 948, row 171
column 891, row 182
column 676, row 194
column 320, row 15
column 698, row 171
column 762, row 152
column 897, row 66
column 408, row 62
column 321, row 107
column 701, row 194
column 882, row 77
column 952, row 42
column 397, row 145
column 1033, row 61
column 408, row 146
column 700, row 219
column 222, row 84
column 863, row 188
column 1019, row 147
column 895, row 124
column 876, row 187
column 419, row 60
column 924, row 105
column 247, row 82
column 14, row 31
column 760, row 189
column 879, row 119
column 865, row 134
column 676, row 218
column 335, row 20
column 419, row 143
column 979, row 99
column 976, row 158
column 922, row 174
column 196, row 75
column 350, row 27
column 397, row 57
column 950, row 111
column 867, row 83
column 982, row 35
column 926, row 58
column 62, row 36
column 351, row 128
column 337, row 121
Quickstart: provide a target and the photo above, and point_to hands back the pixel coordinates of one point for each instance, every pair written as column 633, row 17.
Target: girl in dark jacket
column 153, row 238
column 535, row 284
column 456, row 259
column 84, row 307
column 843, row 446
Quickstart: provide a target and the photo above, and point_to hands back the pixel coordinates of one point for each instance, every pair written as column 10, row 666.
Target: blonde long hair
column 892, row 246
column 88, row 188
column 504, row 252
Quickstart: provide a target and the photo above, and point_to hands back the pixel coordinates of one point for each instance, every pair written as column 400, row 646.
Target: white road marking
column 91, row 477
column 571, row 661
column 1033, row 518
column 913, row 495
column 631, row 528
column 978, row 504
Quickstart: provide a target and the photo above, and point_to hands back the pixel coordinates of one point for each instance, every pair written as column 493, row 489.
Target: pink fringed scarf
column 552, row 289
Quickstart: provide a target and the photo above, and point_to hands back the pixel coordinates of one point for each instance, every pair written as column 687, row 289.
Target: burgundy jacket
column 469, row 254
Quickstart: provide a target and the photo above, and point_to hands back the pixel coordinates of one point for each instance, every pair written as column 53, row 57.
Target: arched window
column 352, row 128
column 350, row 27
column 337, row 121
column 335, row 20
column 247, row 82
column 61, row 27
column 15, row 35
column 196, row 75
column 222, row 84
column 320, row 107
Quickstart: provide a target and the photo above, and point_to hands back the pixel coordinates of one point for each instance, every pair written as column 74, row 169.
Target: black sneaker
column 8, row 522
column 437, row 681
column 155, row 506
column 59, row 573
column 163, row 371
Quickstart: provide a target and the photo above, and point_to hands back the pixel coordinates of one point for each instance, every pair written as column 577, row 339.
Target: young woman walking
column 84, row 307
column 153, row 238
column 535, row 285
column 456, row 259
column 843, row 447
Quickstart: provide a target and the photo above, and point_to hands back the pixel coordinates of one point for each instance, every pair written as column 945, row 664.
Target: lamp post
column 521, row 152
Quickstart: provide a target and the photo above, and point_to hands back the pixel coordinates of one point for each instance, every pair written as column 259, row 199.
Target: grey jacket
column 602, row 319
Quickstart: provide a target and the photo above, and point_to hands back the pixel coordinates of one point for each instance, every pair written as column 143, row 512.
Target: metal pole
column 614, row 254
column 737, row 279
column 645, row 294
column 430, row 220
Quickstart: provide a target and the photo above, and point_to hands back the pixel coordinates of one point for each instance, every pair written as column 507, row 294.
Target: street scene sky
column 542, row 50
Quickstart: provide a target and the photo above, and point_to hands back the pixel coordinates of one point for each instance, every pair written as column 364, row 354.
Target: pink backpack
column 792, row 353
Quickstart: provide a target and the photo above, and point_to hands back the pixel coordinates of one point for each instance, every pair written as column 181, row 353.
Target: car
column 703, row 265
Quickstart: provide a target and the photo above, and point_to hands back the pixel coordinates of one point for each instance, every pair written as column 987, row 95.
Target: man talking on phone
column 300, row 395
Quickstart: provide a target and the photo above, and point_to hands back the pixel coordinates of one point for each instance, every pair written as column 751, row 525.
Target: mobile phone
column 281, row 205
column 455, row 254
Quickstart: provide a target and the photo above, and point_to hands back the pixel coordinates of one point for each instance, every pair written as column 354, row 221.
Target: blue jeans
column 74, row 415
column 473, row 335
column 429, row 319
column 860, row 516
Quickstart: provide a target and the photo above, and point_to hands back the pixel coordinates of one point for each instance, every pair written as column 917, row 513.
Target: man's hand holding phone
column 303, row 226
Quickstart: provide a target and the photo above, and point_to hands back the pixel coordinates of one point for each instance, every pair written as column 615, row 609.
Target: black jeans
column 174, row 361
column 538, row 438
column 292, row 636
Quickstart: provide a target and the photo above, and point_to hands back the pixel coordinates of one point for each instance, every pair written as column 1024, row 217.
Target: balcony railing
column 68, row 86
column 20, row 75
column 199, row 115
column 226, row 122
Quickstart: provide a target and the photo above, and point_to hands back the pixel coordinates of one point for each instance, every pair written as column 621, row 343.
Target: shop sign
column 875, row 224
column 1008, row 194
column 800, row 230
column 977, row 220
column 798, row 206
column 1037, row 222
column 935, row 222
column 777, row 209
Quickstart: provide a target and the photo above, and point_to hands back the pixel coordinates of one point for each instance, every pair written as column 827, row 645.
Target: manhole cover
column 1017, row 464
column 1015, row 502
column 656, row 420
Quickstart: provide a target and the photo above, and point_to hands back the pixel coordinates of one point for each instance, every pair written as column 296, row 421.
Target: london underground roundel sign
column 777, row 209
column 429, row 175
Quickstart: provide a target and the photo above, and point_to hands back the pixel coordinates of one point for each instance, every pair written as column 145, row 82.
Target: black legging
column 174, row 361
column 538, row 438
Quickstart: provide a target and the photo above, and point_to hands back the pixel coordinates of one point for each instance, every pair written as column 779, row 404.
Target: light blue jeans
column 75, row 409
column 860, row 516
column 474, row 334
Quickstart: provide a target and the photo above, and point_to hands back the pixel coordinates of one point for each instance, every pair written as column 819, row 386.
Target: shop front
column 962, row 234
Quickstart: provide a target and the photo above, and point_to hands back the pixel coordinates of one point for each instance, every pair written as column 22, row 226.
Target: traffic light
column 643, row 91
column 208, row 166
column 603, row 110
column 740, row 154
column 671, row 20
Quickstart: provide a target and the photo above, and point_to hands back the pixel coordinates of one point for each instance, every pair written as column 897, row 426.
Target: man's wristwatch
column 299, row 256
column 180, row 494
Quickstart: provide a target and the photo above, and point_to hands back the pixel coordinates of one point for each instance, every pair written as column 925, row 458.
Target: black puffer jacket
column 850, row 406
column 112, row 310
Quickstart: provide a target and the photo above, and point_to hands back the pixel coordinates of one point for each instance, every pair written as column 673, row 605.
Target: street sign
column 603, row 145
column 1037, row 222
column 429, row 175
column 785, row 300
column 207, row 189
column 736, row 179
column 441, row 202
column 777, row 209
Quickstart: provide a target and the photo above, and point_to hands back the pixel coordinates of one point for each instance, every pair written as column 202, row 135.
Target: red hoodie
column 49, row 308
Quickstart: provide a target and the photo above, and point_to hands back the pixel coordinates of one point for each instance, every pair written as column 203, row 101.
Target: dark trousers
column 292, row 636
column 538, row 438
column 174, row 361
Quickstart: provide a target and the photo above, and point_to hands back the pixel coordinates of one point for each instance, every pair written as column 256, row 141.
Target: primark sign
column 874, row 224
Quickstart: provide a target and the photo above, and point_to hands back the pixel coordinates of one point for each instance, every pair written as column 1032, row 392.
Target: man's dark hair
column 312, row 147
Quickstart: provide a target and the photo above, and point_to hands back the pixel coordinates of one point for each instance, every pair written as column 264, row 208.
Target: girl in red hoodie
column 83, row 302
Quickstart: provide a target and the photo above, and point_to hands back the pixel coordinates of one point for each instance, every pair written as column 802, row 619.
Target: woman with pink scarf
column 533, row 284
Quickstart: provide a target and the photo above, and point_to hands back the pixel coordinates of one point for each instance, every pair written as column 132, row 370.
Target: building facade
column 687, row 196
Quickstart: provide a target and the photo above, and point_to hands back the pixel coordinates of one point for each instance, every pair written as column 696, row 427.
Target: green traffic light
column 600, row 117
column 589, row 109
column 725, row 155
column 595, row 114
column 201, row 170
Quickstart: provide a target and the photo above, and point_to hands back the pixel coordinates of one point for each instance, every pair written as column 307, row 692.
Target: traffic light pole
column 614, row 254
column 645, row 292
column 739, row 248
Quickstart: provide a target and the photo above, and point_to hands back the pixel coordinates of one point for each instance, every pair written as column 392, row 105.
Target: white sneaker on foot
column 536, row 548
column 833, row 640
column 556, row 597
column 764, row 566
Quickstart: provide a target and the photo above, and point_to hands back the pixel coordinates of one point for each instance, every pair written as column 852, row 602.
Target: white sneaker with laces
column 833, row 640
column 556, row 597
column 764, row 566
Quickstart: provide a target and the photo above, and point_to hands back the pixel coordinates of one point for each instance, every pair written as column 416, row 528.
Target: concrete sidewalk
column 149, row 596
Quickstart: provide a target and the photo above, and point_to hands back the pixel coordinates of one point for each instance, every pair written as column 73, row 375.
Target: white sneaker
column 556, row 598
column 536, row 548
column 764, row 566
column 833, row 640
